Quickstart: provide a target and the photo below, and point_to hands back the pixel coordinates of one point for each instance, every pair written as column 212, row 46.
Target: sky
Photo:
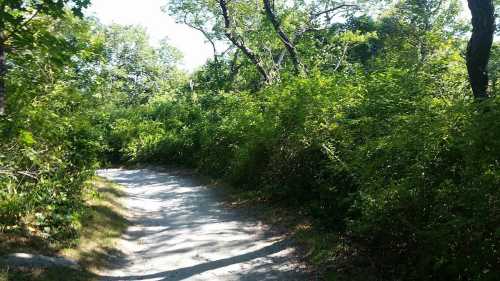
column 159, row 25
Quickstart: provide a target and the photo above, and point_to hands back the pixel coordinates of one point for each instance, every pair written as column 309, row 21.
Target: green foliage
column 63, row 91
column 134, row 70
column 399, row 162
column 378, row 141
column 50, row 142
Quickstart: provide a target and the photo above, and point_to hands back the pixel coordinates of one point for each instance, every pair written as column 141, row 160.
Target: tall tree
column 479, row 47
column 135, row 70
column 15, row 19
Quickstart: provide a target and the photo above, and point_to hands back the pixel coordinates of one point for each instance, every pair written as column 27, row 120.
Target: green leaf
column 26, row 138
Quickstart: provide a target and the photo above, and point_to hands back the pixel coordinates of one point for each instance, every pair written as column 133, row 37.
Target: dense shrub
column 44, row 166
column 408, row 175
column 377, row 139
column 50, row 138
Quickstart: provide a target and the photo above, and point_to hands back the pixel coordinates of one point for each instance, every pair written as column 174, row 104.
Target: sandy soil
column 181, row 231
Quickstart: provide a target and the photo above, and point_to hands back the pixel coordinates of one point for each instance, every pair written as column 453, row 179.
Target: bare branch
column 240, row 44
column 207, row 36
column 290, row 47
column 342, row 57
column 319, row 14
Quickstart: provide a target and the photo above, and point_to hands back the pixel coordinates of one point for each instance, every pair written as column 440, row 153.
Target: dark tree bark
column 3, row 66
column 479, row 47
column 290, row 47
column 238, row 42
column 3, row 72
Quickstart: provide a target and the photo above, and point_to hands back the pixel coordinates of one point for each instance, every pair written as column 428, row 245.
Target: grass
column 103, row 222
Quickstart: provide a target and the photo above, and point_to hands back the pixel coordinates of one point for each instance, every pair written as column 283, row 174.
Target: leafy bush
column 50, row 139
column 408, row 175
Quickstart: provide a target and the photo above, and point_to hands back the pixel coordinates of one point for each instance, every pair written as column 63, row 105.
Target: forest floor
column 180, row 229
column 101, row 226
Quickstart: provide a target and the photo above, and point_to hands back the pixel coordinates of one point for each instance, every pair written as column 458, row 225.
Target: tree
column 479, row 47
column 15, row 32
column 290, row 47
column 239, row 42
column 426, row 19
column 135, row 69
column 272, row 37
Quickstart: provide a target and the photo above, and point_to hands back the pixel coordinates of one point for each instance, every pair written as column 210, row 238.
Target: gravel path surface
column 180, row 231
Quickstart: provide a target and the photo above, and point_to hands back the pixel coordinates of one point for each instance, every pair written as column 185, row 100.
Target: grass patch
column 51, row 274
column 101, row 224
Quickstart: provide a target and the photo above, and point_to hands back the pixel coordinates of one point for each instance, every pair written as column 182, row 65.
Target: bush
column 410, row 177
column 51, row 140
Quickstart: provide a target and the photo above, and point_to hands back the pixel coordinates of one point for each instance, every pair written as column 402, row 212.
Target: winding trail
column 181, row 231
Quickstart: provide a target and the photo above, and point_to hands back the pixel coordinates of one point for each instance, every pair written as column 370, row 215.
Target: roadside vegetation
column 375, row 120
column 92, row 247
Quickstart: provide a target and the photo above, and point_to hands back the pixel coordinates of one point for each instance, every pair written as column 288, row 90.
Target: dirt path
column 180, row 231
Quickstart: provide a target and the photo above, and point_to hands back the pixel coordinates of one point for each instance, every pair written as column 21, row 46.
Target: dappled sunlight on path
column 180, row 231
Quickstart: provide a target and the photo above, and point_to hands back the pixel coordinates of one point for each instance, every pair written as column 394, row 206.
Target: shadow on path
column 186, row 272
column 181, row 231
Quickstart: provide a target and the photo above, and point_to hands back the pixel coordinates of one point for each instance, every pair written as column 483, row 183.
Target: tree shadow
column 176, row 218
column 263, row 272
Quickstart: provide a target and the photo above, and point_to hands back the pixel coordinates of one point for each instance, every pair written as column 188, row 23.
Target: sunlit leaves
column 50, row 140
column 134, row 68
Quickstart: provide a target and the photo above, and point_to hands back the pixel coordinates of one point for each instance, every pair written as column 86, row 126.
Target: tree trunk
column 479, row 47
column 3, row 72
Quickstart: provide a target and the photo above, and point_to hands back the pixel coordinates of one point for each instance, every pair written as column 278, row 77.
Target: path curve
column 180, row 231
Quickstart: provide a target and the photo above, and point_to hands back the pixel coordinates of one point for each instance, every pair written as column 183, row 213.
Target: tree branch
column 319, row 14
column 240, row 44
column 25, row 22
column 207, row 36
column 290, row 47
